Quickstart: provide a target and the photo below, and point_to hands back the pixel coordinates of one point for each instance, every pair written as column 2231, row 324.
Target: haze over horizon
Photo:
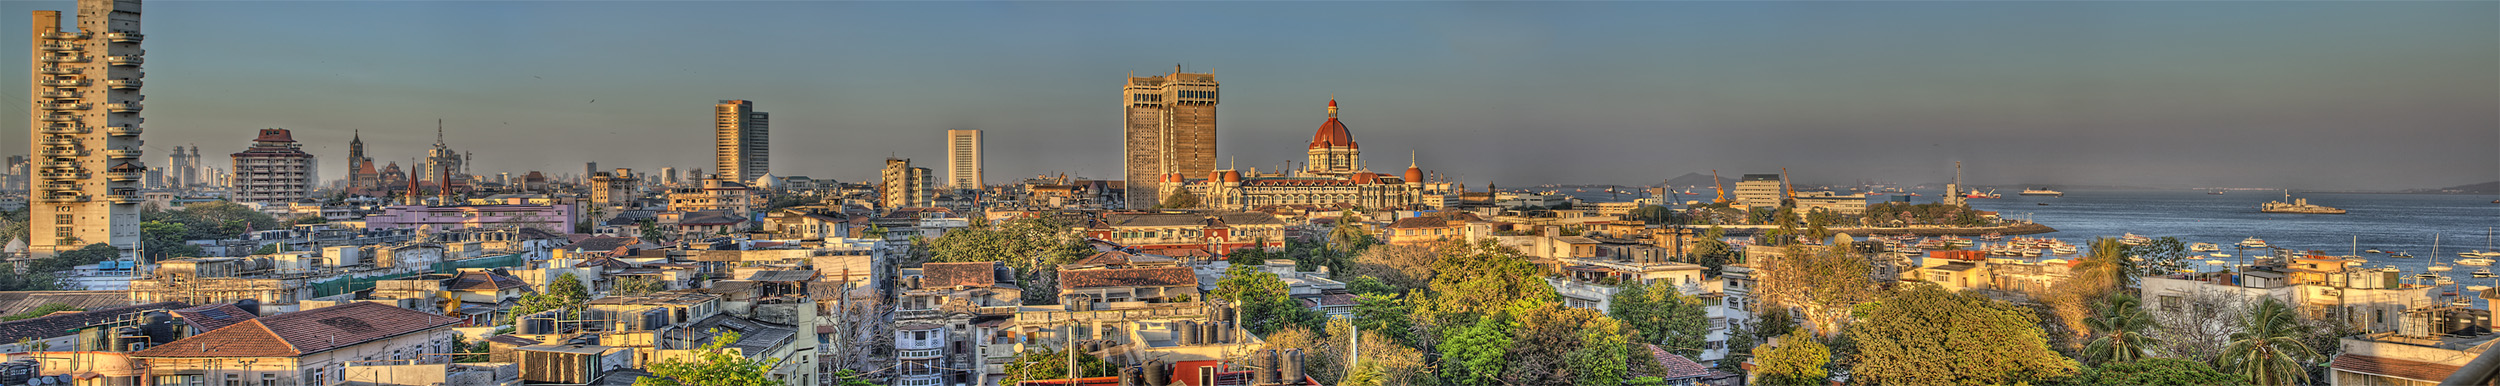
column 2304, row 95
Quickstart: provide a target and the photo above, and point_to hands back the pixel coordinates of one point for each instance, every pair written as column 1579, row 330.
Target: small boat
column 2484, row 273
column 2444, row 280
column 2042, row 192
column 2426, row 276
column 2374, row 251
column 2440, row 268
column 2204, row 247
column 2134, row 239
column 2474, row 262
column 2215, row 192
column 2044, row 204
column 2401, row 255
column 2478, row 288
column 2253, row 242
column 2220, row 254
column 2216, row 262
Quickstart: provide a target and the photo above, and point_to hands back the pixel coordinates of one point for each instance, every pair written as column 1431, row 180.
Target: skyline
column 2300, row 95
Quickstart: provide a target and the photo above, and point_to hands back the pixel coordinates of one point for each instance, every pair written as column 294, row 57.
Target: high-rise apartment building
column 178, row 169
column 963, row 159
column 739, row 135
column 86, row 129
column 612, row 189
column 1760, row 190
column 668, row 176
column 274, row 171
column 1168, row 127
column 902, row 185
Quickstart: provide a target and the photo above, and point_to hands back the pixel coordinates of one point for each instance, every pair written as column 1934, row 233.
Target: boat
column 2134, row 239
column 2214, row 262
column 2220, row 254
column 2478, row 288
column 2401, row 255
column 2042, row 191
column 1992, row 193
column 2475, row 262
column 2435, row 267
column 2215, row 192
column 2374, row 251
column 2444, row 280
column 2252, row 242
column 2299, row 206
column 2484, row 273
column 2204, row 247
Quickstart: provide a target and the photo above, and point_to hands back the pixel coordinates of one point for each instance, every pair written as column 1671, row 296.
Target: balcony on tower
column 60, row 118
column 64, row 129
column 123, row 175
column 64, row 59
column 63, row 174
column 122, row 84
column 123, row 107
column 124, row 37
column 64, row 198
column 60, row 141
column 62, row 151
column 58, row 70
column 60, row 35
column 63, row 106
column 63, row 46
column 122, row 153
column 122, row 196
column 57, row 94
column 130, row 60
column 123, row 130
column 63, row 82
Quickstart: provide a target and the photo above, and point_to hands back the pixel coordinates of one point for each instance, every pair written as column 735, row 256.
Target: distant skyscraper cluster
column 1168, row 128
column 86, row 129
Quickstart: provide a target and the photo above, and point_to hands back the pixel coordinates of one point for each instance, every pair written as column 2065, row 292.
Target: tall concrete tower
column 739, row 135
column 86, row 129
column 963, row 159
column 1168, row 127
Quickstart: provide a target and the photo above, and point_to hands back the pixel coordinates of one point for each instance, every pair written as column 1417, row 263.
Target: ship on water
column 2043, row 192
column 2300, row 205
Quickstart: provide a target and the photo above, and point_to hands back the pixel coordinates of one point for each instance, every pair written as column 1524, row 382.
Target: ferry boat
column 2042, row 191
column 2300, row 206
column 2252, row 242
column 2204, row 247
column 1992, row 193
column 2134, row 239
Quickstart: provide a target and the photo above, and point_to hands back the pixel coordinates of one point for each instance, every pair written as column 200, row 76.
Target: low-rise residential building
column 312, row 347
column 1218, row 233
column 549, row 218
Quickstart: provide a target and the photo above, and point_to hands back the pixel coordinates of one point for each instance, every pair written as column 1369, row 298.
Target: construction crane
column 1786, row 187
column 1714, row 185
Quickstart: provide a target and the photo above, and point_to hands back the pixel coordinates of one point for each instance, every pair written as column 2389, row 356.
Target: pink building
column 556, row 218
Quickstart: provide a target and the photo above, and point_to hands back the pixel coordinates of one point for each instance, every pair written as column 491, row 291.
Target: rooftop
column 305, row 332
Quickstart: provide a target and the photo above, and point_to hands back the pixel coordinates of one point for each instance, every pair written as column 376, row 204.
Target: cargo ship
column 2042, row 192
column 2299, row 205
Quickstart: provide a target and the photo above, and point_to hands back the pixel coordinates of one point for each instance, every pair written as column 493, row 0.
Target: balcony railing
column 63, row 82
column 65, row 151
column 121, row 153
column 60, row 118
column 58, row 70
column 124, row 60
column 122, row 131
column 56, row 141
column 58, row 94
column 64, row 198
column 122, row 176
column 64, row 129
column 123, row 196
column 123, row 107
column 63, row 106
column 64, row 59
column 60, row 46
column 70, row 175
column 123, row 84
column 124, row 37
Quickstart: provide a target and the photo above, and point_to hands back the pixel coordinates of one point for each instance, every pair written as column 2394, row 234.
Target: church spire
column 438, row 132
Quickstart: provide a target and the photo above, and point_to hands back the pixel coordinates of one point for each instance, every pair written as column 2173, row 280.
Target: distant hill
column 2482, row 188
column 1698, row 179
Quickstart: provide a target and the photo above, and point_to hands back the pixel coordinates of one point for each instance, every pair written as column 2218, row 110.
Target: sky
column 2303, row 95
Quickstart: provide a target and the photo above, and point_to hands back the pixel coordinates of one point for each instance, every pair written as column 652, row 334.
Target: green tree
column 1044, row 363
column 569, row 288
column 1656, row 215
column 1474, row 355
column 1477, row 279
column 11, row 280
column 637, row 286
column 1348, row 237
column 2268, row 349
column 1821, row 283
column 1179, row 199
column 1323, row 353
column 651, row 232
column 164, row 240
column 2120, row 329
column 1797, row 360
column 848, row 377
column 536, row 303
column 1406, row 267
column 1385, row 315
column 2162, row 255
column 265, row 249
column 2155, row 371
column 713, row 365
column 1265, row 305
column 1923, row 335
column 1660, row 314
column 66, row 260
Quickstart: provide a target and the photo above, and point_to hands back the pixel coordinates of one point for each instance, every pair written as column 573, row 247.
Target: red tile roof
column 214, row 316
column 301, row 333
column 1129, row 277
column 2414, row 370
column 980, row 274
column 485, row 281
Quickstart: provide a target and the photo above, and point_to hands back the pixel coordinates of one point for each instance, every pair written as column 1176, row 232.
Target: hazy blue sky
column 2302, row 94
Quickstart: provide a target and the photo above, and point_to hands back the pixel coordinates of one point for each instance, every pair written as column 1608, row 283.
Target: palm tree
column 2268, row 349
column 2121, row 326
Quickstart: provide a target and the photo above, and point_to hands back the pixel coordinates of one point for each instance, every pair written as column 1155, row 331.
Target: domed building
column 1334, row 174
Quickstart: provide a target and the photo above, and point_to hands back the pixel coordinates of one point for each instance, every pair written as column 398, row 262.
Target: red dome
column 1232, row 176
column 1332, row 133
column 1414, row 174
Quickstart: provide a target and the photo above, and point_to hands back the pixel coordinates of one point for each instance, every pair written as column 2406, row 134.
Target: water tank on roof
column 128, row 338
column 1291, row 367
column 1132, row 376
column 249, row 305
column 1263, row 367
column 1157, row 372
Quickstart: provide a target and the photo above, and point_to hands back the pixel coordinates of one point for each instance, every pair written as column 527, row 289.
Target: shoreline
column 1861, row 232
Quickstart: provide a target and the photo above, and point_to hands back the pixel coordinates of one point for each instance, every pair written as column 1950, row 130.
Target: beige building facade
column 963, row 159
column 739, row 150
column 1168, row 127
column 85, row 136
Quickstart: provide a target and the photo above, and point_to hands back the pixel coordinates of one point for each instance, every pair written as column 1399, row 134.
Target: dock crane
column 1714, row 185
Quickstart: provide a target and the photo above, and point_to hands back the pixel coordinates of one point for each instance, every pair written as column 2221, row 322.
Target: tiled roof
column 58, row 325
column 602, row 243
column 212, row 317
column 980, row 274
column 1188, row 219
column 14, row 302
column 2414, row 370
column 484, row 281
column 1105, row 258
column 300, row 333
column 1420, row 222
column 787, row 275
column 1130, row 277
column 711, row 217
column 1677, row 366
